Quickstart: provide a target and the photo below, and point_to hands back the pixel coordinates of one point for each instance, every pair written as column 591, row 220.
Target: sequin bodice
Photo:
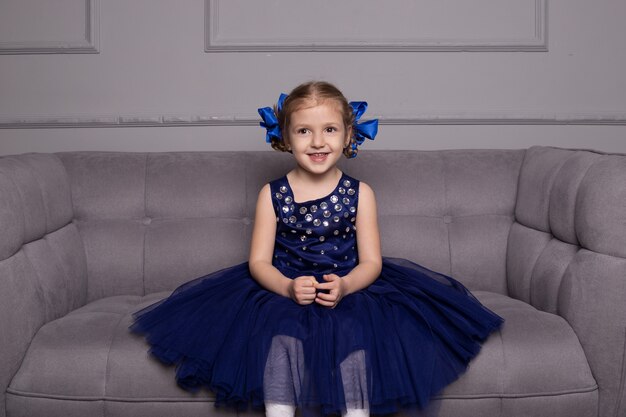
column 317, row 236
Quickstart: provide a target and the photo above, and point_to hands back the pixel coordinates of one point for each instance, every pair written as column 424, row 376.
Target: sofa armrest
column 592, row 297
column 567, row 254
column 42, row 260
column 593, row 300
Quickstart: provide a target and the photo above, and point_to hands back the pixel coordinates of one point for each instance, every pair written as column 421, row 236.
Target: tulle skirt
column 394, row 344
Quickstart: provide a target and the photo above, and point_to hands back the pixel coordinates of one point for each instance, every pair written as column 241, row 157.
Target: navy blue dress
column 394, row 344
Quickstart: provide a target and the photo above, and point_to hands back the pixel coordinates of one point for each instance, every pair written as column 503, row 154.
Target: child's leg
column 279, row 410
column 356, row 412
column 354, row 379
column 282, row 376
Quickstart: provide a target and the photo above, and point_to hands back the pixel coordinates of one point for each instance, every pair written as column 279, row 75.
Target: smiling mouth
column 318, row 156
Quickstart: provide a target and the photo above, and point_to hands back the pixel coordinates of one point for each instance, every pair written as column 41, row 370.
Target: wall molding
column 89, row 44
column 538, row 42
column 248, row 120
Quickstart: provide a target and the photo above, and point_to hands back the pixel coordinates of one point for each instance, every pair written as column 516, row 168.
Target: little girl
column 317, row 318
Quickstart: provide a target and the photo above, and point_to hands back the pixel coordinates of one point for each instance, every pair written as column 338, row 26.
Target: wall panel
column 46, row 27
column 370, row 25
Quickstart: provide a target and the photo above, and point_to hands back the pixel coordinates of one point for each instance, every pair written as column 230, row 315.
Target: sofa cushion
column 90, row 358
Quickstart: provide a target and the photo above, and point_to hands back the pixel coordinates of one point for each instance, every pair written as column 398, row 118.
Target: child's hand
column 335, row 287
column 302, row 289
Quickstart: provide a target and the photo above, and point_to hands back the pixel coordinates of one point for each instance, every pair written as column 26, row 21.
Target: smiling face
column 317, row 136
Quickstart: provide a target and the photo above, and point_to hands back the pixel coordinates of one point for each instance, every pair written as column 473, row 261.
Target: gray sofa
column 539, row 235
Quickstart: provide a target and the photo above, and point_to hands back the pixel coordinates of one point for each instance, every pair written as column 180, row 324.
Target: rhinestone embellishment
column 334, row 199
column 347, row 183
column 288, row 199
column 279, row 196
column 316, row 222
column 313, row 208
column 308, row 217
column 302, row 210
column 324, row 205
column 283, row 189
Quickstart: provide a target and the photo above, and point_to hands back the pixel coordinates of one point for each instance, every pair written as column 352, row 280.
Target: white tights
column 279, row 410
column 284, row 410
column 282, row 377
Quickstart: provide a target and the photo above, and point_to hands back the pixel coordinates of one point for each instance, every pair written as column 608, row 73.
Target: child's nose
column 318, row 139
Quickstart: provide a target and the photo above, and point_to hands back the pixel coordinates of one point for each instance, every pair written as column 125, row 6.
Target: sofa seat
column 89, row 357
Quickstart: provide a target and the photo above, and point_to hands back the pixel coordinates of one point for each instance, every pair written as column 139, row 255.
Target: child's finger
column 327, row 297
column 309, row 295
column 324, row 303
column 306, row 301
column 325, row 286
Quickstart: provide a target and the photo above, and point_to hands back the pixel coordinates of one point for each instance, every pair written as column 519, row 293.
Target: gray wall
column 158, row 75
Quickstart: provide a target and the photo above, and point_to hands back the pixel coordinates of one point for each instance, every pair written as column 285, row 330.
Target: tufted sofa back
column 151, row 221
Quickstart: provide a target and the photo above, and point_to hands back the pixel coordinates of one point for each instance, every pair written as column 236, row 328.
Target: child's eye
column 331, row 129
column 302, row 131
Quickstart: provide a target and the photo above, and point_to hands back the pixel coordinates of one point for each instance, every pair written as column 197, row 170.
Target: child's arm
column 370, row 259
column 301, row 289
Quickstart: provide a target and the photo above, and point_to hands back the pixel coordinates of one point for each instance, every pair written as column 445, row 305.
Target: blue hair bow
column 364, row 130
column 270, row 120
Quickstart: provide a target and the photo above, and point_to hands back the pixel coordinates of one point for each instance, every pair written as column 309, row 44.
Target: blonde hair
column 317, row 91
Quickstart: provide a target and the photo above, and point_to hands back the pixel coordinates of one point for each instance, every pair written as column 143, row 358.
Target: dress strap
column 281, row 195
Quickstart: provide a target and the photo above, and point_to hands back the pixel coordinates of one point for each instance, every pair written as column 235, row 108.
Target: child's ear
column 348, row 137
